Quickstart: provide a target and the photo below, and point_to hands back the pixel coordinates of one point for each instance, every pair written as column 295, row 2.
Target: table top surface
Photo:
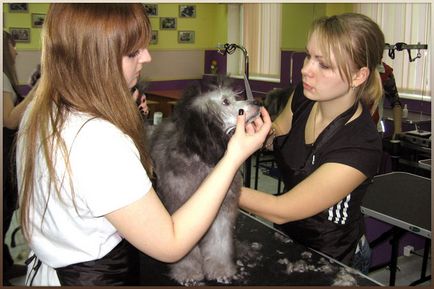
column 266, row 256
column 401, row 199
column 173, row 94
column 413, row 117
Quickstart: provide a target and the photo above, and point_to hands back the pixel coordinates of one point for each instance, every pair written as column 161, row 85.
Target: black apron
column 308, row 231
column 120, row 267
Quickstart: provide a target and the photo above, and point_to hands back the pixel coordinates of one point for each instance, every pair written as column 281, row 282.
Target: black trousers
column 10, row 191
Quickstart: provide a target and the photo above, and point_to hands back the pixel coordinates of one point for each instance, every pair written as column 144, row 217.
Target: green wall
column 338, row 8
column 210, row 24
column 23, row 20
column 297, row 18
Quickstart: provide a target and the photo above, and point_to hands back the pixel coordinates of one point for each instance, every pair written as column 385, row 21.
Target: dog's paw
column 221, row 273
column 187, row 276
column 191, row 282
column 224, row 280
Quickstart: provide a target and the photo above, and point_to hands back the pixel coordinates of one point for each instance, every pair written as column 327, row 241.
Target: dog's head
column 224, row 104
column 208, row 118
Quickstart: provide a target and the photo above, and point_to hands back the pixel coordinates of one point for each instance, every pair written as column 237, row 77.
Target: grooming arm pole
column 229, row 49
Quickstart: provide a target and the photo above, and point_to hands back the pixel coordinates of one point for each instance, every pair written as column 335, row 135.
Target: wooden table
column 163, row 100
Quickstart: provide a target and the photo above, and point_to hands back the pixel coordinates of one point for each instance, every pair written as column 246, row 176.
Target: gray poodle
column 184, row 149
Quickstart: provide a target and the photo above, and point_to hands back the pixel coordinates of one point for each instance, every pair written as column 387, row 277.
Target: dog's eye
column 226, row 101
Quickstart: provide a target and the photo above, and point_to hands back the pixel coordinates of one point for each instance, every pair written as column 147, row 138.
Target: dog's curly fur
column 185, row 148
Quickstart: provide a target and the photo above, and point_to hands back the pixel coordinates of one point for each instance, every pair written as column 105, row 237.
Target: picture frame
column 186, row 36
column 151, row 9
column 167, row 23
column 20, row 35
column 19, row 7
column 154, row 37
column 37, row 20
column 187, row 11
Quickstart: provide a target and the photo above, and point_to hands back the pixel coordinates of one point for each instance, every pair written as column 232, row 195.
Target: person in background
column 139, row 96
column 392, row 96
column 84, row 173
column 326, row 145
column 13, row 109
column 34, row 77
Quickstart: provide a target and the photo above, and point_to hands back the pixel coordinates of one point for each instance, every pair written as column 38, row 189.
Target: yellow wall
column 209, row 25
column 297, row 18
column 23, row 20
column 338, row 8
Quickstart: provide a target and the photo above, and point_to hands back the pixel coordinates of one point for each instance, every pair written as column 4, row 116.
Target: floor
column 408, row 267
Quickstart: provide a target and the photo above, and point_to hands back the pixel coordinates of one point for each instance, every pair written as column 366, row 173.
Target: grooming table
column 265, row 256
column 402, row 200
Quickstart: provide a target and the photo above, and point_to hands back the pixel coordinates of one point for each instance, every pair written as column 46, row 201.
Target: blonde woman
column 83, row 167
column 327, row 146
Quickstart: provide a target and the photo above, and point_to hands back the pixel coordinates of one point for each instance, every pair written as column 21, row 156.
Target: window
column 411, row 24
column 257, row 27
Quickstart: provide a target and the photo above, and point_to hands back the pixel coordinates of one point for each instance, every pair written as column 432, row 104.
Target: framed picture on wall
column 154, row 37
column 151, row 9
column 167, row 22
column 19, row 7
column 187, row 11
column 20, row 34
column 37, row 20
column 186, row 36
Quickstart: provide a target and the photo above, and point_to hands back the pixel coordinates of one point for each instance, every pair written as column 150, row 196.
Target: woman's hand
column 248, row 138
column 141, row 102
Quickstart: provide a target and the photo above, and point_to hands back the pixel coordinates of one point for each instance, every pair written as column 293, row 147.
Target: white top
column 7, row 86
column 107, row 175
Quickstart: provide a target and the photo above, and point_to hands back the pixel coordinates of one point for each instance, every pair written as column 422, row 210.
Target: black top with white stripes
column 336, row 230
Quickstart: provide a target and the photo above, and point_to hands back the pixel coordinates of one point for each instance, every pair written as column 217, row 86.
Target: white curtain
column 259, row 31
column 411, row 24
column 261, row 37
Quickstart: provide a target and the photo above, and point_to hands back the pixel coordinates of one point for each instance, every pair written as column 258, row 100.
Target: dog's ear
column 203, row 135
column 276, row 100
column 141, row 85
column 193, row 90
column 188, row 96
